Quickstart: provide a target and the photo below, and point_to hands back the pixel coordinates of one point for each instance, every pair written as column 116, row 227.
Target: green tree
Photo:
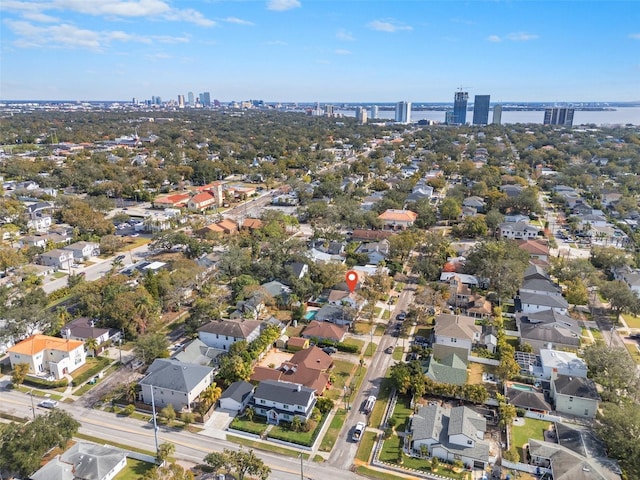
column 576, row 292
column 92, row 345
column 168, row 413
column 165, row 450
column 618, row 427
column 172, row 471
column 450, row 209
column 19, row 373
column 620, row 296
column 151, row 346
column 610, row 367
column 240, row 462
column 508, row 367
column 502, row 262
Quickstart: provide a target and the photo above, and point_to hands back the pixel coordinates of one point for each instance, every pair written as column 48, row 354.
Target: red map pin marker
column 352, row 280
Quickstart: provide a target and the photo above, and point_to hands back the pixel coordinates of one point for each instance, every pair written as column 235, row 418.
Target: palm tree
column 211, row 395
column 92, row 345
column 165, row 451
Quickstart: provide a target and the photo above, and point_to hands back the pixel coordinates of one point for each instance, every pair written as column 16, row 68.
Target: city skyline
column 304, row 50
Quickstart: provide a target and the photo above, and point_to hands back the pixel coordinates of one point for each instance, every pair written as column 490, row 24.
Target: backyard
column 531, row 428
column 134, row 470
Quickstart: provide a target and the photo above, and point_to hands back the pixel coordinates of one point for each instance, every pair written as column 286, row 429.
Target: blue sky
column 320, row 50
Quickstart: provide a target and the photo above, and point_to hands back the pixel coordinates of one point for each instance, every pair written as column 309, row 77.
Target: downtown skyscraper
column 403, row 112
column 481, row 109
column 559, row 116
column 460, row 107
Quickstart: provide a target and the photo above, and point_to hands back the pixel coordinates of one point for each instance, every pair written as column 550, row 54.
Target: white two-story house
column 47, row 355
column 283, row 401
column 223, row 334
column 458, row 331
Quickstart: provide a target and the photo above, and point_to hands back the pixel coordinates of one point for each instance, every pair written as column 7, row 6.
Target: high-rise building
column 374, row 111
column 180, row 101
column 328, row 110
column 559, row 116
column 403, row 112
column 460, row 107
column 481, row 109
column 190, row 99
column 205, row 99
column 361, row 115
column 497, row 114
column 449, row 118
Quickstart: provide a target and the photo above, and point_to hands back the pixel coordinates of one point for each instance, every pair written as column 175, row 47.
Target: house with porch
column 221, row 334
column 449, row 434
column 283, row 401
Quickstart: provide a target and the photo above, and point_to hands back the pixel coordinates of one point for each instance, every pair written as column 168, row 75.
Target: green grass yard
column 341, row 371
column 331, row 435
column 366, row 446
column 633, row 350
column 532, row 428
column 631, row 320
column 134, row 470
column 257, row 426
column 358, row 343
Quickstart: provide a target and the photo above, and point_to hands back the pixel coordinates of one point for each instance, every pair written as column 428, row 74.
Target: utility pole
column 33, row 409
column 155, row 425
column 301, row 466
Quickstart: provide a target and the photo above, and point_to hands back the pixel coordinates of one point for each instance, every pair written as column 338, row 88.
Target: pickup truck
column 357, row 433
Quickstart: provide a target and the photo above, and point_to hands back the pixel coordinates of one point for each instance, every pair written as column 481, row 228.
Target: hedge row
column 46, row 384
column 342, row 347
column 83, row 377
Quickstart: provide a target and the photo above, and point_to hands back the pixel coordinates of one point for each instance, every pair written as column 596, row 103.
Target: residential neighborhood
column 492, row 320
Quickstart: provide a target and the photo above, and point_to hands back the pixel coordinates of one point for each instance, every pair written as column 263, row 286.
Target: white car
column 48, row 404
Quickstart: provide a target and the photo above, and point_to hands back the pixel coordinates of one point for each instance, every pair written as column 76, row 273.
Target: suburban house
column 307, row 367
column 394, row 219
column 170, row 382
column 84, row 328
column 237, row 396
column 538, row 250
column 451, row 369
column 458, row 331
column 450, row 434
column 48, row 355
column 474, row 202
column 560, row 362
column 84, row 250
column 84, row 461
column 629, row 276
column 575, row 396
column 324, row 331
column 548, row 327
column 527, row 398
column 528, row 302
column 539, row 286
column 57, row 257
column 461, row 296
column 221, row 334
column 278, row 401
column 566, row 463
column 518, row 230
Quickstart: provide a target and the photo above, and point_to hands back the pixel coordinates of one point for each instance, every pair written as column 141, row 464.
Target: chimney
column 298, row 387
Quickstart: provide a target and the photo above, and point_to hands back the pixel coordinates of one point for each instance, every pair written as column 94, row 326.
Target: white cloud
column 343, row 34
column 389, row 26
column 40, row 17
column 494, row 38
column 341, row 51
column 282, row 5
column 71, row 36
column 521, row 37
column 634, row 36
column 108, row 8
column 238, row 21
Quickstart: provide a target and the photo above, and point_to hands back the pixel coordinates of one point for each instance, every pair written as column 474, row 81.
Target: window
column 454, row 340
column 469, row 442
column 571, row 399
column 286, row 407
column 586, row 412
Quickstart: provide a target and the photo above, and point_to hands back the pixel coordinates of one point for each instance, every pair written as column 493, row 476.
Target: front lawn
column 631, row 320
column 268, row 447
column 354, row 341
column 371, row 349
column 92, row 366
column 341, row 371
column 256, row 426
column 398, row 352
column 532, row 428
column 285, row 433
column 402, row 411
column 375, row 419
column 134, row 470
column 633, row 350
column 366, row 446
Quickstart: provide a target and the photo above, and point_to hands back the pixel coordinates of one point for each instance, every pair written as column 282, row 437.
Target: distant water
column 622, row 115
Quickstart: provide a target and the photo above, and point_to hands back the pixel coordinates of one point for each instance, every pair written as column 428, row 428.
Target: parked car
column 388, row 350
column 329, row 350
column 48, row 404
column 402, row 316
column 357, row 432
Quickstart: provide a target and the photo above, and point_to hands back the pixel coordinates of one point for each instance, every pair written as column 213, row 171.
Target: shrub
column 520, row 412
column 40, row 383
column 129, row 409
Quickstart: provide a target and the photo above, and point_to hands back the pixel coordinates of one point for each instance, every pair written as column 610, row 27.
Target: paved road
column 190, row 447
column 344, row 450
column 99, row 268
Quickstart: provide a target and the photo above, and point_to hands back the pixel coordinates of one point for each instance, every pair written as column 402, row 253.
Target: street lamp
column 33, row 409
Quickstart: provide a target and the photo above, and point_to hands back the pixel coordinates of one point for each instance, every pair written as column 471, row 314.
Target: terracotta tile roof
column 534, row 247
column 324, row 330
column 203, row 197
column 313, row 358
column 297, row 342
column 252, row 223
column 398, row 215
column 173, row 199
column 39, row 343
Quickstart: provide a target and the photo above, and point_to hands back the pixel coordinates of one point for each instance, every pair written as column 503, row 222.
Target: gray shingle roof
column 284, row 392
column 576, row 387
column 543, row 300
column 92, row 462
column 539, row 285
column 175, row 375
column 238, row 391
column 231, row 328
column 530, row 400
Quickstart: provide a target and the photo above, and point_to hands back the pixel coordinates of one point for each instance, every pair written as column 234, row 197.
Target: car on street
column 48, row 404
column 135, row 234
column 402, row 316
column 388, row 349
column 358, row 431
